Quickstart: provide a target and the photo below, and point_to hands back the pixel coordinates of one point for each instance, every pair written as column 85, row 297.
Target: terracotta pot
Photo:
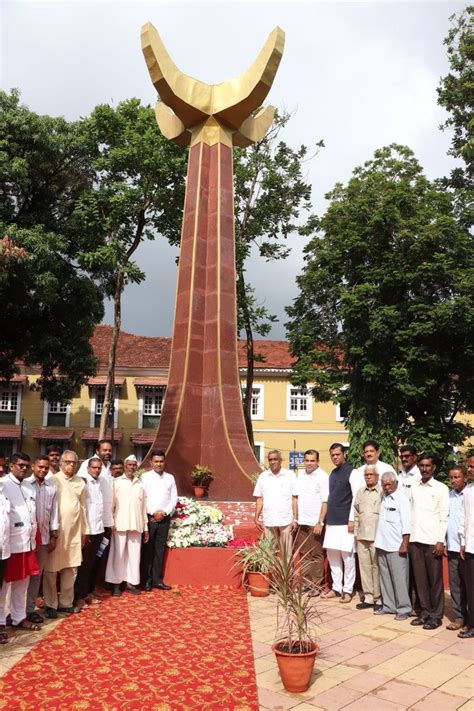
column 199, row 492
column 259, row 585
column 295, row 669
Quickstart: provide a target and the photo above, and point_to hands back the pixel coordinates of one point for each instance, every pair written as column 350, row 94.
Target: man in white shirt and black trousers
column 430, row 508
column 161, row 498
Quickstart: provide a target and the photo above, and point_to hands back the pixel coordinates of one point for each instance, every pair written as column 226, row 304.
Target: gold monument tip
column 187, row 104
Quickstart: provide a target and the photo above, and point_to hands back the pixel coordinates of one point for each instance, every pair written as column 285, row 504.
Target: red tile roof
column 16, row 378
column 9, row 433
column 102, row 380
column 150, row 382
column 154, row 352
column 53, row 433
column 143, row 436
column 93, row 435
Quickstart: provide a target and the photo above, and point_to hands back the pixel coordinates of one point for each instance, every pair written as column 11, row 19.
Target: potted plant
column 201, row 477
column 295, row 647
column 256, row 560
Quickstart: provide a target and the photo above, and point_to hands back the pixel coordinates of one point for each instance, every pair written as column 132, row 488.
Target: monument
column 202, row 420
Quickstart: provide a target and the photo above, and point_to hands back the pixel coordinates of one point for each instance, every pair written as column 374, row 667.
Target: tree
column 455, row 93
column 49, row 306
column 384, row 321
column 270, row 197
column 137, row 193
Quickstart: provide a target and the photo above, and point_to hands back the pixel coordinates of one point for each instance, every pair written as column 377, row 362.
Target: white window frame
column 260, row 402
column 47, row 410
column 142, row 391
column 262, row 451
column 93, row 397
column 301, row 416
column 17, row 389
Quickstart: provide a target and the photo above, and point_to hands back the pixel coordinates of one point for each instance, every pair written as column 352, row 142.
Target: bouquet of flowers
column 197, row 525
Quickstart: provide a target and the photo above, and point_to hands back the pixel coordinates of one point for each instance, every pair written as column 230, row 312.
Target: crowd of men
column 400, row 525
column 69, row 528
column 66, row 528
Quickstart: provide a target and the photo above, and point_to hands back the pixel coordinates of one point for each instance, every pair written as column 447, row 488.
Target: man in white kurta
column 130, row 522
column 371, row 458
column 277, row 502
column 67, row 555
column 4, row 548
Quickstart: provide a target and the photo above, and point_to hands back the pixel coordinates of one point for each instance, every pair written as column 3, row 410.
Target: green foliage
column 201, row 475
column 137, row 193
column 257, row 558
column 384, row 321
column 49, row 307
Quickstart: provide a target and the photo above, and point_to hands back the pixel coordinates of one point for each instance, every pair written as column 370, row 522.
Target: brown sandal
column 27, row 626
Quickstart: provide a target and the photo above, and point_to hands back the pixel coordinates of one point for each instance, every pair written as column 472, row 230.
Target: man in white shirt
column 370, row 450
column 275, row 492
column 430, row 507
column 161, row 498
column 409, row 474
column 312, row 490
column 457, row 583
column 99, row 523
column 53, row 452
column 466, row 537
column 391, row 542
column 48, row 523
column 22, row 561
column 130, row 522
column 4, row 549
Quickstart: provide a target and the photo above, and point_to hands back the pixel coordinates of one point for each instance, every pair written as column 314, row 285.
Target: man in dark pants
column 466, row 536
column 161, row 498
column 430, row 506
column 457, row 584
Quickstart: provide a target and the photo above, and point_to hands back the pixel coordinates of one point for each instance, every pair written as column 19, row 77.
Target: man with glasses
column 22, row 561
column 67, row 555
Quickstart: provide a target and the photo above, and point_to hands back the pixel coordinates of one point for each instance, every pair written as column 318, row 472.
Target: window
column 97, row 405
column 257, row 404
column 150, row 405
column 299, row 403
column 342, row 410
column 259, row 451
column 9, row 404
column 56, row 414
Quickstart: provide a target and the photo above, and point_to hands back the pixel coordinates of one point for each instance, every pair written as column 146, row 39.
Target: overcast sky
column 358, row 75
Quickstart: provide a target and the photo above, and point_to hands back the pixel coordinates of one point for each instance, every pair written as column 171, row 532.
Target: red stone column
column 202, row 420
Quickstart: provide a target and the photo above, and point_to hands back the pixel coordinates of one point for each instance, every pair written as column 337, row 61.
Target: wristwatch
column 321, row 523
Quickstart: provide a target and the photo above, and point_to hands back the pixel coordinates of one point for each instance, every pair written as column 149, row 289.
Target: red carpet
column 162, row 651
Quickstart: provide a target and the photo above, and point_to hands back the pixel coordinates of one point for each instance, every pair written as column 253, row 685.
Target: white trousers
column 18, row 590
column 342, row 567
column 124, row 558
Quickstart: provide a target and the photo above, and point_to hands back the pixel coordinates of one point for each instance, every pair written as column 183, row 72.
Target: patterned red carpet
column 163, row 651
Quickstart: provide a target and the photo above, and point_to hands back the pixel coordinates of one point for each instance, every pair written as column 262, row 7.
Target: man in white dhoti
column 130, row 522
column 339, row 536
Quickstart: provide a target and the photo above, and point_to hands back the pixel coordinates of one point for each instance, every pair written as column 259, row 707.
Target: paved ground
column 368, row 662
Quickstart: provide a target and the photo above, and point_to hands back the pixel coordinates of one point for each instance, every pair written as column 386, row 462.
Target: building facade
column 284, row 417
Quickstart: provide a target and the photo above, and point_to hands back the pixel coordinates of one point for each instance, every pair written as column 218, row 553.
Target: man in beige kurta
column 67, row 556
column 130, row 522
column 366, row 516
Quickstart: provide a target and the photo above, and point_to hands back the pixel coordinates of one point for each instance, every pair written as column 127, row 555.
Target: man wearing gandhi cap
column 130, row 522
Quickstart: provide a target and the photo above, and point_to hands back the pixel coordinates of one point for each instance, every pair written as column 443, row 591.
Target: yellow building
column 284, row 417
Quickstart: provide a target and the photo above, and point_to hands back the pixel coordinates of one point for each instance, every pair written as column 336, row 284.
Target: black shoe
column 133, row 590
column 69, row 610
column 162, row 586
column 419, row 621
column 377, row 608
column 364, row 605
column 35, row 618
column 147, row 587
column 116, row 592
column 51, row 613
column 432, row 624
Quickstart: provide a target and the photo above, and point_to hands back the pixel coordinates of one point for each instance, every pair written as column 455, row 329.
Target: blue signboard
column 296, row 459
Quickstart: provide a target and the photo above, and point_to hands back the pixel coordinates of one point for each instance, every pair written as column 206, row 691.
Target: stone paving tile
column 368, row 660
column 276, row 702
column 372, row 703
column 438, row 701
column 436, row 671
column 403, row 662
column 335, row 637
column 336, row 698
column 366, row 682
column 260, row 649
column 435, row 644
column 460, row 685
column 401, row 691
column 462, row 648
column 468, row 706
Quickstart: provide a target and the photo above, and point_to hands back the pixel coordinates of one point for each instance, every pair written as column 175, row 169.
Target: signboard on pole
column 296, row 459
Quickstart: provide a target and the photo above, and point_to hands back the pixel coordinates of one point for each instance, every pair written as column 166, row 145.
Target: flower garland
column 196, row 524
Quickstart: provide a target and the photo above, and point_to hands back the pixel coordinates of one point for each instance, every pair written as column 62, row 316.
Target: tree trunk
column 110, row 386
column 249, row 349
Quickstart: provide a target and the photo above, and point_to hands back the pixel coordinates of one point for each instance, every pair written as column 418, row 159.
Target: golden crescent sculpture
column 187, row 104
